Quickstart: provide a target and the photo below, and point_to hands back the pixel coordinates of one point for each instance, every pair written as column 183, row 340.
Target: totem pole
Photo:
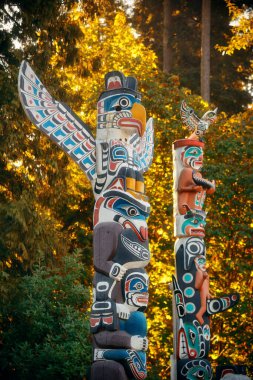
column 192, row 302
column 114, row 163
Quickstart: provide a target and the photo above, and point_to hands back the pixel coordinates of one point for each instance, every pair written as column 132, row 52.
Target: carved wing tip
column 188, row 116
column 210, row 116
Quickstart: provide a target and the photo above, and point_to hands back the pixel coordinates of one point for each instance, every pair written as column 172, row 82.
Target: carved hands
column 138, row 343
column 123, row 311
column 117, row 271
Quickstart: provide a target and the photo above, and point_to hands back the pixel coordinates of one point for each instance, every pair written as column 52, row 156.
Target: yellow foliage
column 242, row 29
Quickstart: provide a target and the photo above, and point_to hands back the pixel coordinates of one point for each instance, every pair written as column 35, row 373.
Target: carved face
column 136, row 289
column 193, row 340
column 123, row 112
column 123, row 208
column 193, row 225
column 200, row 262
column 192, row 156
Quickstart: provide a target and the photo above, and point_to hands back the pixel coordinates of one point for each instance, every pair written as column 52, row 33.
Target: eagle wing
column 144, row 147
column 189, row 118
column 57, row 121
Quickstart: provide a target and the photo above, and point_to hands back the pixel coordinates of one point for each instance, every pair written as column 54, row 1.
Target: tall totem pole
column 114, row 163
column 192, row 302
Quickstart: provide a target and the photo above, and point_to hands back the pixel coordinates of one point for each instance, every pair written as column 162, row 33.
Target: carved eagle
column 193, row 122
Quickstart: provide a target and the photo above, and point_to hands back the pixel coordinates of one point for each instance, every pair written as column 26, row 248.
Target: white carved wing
column 57, row 121
column 144, row 147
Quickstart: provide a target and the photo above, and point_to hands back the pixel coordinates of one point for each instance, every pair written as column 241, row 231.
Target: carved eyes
column 192, row 336
column 199, row 374
column 138, row 286
column 132, row 211
column 122, row 103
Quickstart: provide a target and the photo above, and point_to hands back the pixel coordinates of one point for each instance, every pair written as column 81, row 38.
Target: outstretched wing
column 57, row 121
column 144, row 147
column 210, row 116
column 189, row 118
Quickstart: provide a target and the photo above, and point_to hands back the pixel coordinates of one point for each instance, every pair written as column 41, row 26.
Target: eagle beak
column 139, row 113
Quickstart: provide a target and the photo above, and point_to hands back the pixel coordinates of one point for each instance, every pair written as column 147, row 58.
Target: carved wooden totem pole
column 114, row 163
column 192, row 302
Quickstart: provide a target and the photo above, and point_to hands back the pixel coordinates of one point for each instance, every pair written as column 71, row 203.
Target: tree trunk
column 205, row 50
column 167, row 35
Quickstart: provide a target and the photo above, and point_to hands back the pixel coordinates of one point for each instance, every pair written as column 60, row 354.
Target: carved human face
column 193, row 225
column 192, row 156
column 200, row 262
column 136, row 289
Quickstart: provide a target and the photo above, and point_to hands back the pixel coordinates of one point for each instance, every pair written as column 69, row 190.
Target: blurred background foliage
column 46, row 203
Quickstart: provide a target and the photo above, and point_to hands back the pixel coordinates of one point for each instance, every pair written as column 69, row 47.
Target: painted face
column 200, row 262
column 192, row 157
column 193, row 340
column 188, row 342
column 193, row 225
column 122, row 111
column 136, row 289
column 123, row 208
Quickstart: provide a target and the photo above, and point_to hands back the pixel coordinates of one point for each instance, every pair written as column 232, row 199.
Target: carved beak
column 139, row 113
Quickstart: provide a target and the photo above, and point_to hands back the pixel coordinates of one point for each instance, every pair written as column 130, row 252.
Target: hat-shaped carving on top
column 198, row 126
column 116, row 79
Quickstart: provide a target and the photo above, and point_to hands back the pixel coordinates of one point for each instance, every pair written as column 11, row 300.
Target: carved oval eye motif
column 124, row 102
column 139, row 286
column 192, row 335
column 195, row 221
column 131, row 211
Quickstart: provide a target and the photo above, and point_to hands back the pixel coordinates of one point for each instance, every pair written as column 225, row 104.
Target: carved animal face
column 121, row 207
column 189, row 342
column 120, row 113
